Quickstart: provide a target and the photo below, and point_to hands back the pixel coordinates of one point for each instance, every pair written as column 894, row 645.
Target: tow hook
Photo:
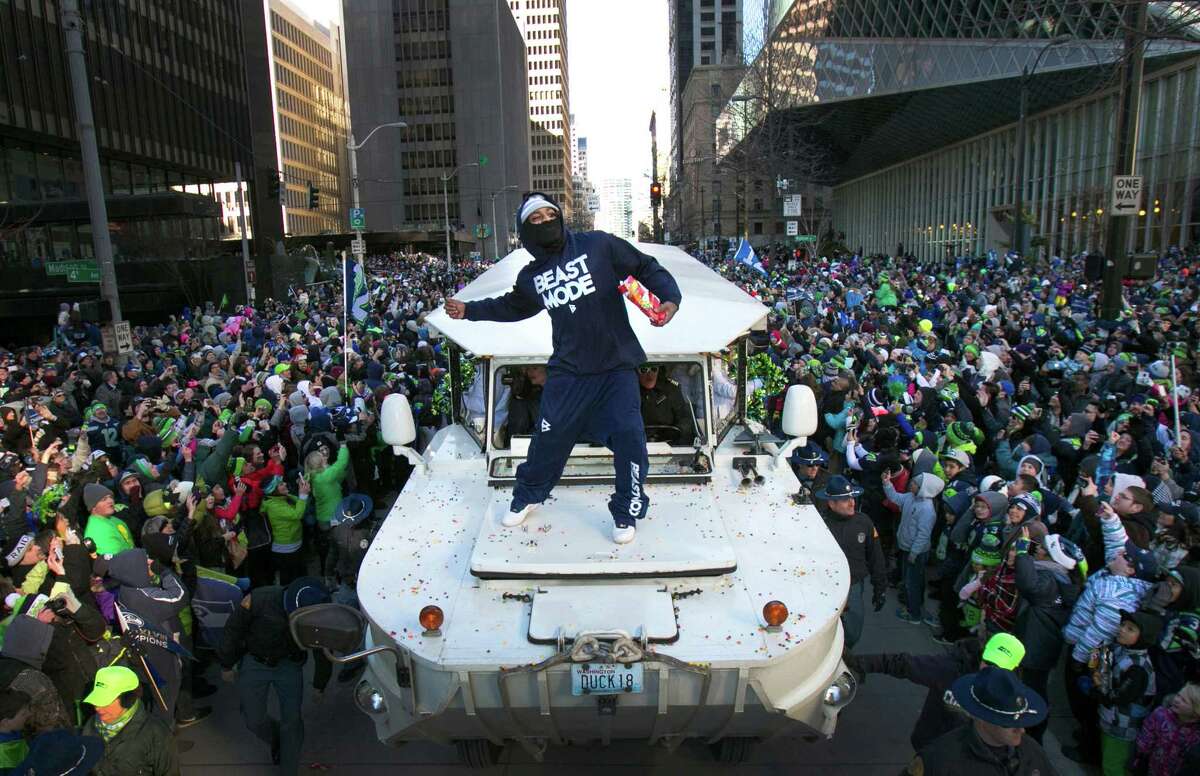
column 606, row 705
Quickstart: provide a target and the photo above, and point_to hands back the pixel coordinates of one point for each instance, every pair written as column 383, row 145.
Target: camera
column 89, row 545
column 58, row 606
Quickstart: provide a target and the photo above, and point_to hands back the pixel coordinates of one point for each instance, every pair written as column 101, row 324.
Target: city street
column 872, row 738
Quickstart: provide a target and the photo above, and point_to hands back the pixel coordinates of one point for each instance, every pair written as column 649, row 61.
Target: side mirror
column 329, row 627
column 396, row 422
column 800, row 412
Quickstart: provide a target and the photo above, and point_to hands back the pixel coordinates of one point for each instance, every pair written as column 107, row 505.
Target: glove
column 228, row 675
column 68, row 596
column 879, row 599
column 1085, row 684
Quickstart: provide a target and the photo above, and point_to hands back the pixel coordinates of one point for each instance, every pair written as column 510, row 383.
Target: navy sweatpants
column 603, row 408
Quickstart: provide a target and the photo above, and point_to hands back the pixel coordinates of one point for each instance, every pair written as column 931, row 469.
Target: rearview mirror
column 800, row 412
column 332, row 627
column 396, row 421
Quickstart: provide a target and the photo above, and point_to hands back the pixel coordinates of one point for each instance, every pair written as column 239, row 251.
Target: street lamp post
column 352, row 147
column 1026, row 73
column 446, row 207
column 745, row 98
column 495, row 231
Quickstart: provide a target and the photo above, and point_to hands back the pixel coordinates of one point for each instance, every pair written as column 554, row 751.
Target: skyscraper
column 616, row 208
column 455, row 72
column 310, row 119
column 544, row 25
column 701, row 32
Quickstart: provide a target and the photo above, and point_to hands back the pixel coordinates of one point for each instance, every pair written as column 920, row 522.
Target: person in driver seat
column 525, row 403
column 663, row 405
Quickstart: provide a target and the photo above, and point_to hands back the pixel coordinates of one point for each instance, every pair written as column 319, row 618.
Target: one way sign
column 1126, row 195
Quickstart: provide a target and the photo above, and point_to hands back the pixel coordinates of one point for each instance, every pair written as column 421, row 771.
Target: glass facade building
column 171, row 110
column 915, row 104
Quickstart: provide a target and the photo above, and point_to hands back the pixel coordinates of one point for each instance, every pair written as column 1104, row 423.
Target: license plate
column 605, row 678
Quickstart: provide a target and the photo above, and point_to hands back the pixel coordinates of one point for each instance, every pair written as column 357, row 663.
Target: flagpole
column 141, row 659
column 346, row 302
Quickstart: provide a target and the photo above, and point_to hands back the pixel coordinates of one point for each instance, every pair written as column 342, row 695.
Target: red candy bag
column 642, row 298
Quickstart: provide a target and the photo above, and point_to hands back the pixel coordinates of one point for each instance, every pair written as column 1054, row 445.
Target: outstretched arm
column 516, row 305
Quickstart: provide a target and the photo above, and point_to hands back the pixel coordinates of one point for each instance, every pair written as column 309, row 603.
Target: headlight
column 841, row 691
column 369, row 699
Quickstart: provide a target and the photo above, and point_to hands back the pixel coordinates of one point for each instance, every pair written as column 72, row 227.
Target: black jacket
column 963, row 752
column 144, row 747
column 259, row 627
column 859, row 541
column 1047, row 595
column 937, row 672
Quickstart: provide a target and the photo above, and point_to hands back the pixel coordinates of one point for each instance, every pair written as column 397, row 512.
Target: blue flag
column 745, row 255
column 356, row 289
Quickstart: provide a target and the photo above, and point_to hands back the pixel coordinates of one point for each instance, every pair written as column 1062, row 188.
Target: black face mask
column 548, row 235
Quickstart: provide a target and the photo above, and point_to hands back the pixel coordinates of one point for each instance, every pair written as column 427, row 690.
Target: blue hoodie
column 578, row 287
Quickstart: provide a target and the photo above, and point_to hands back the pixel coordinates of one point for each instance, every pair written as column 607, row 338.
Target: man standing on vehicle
column 592, row 390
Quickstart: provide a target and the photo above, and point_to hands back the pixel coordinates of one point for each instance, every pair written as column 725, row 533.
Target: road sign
column 124, row 337
column 806, row 238
column 1126, row 195
column 791, row 206
column 358, row 218
column 793, row 228
column 593, row 203
column 83, row 275
column 358, row 247
column 483, row 231
column 64, row 267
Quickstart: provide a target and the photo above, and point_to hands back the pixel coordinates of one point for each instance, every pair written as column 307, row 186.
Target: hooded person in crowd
column 592, row 390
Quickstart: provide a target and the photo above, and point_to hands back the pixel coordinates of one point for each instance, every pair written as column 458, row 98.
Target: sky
column 619, row 72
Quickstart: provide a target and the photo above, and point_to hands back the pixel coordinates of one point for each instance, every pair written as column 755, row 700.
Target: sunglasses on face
column 646, row 369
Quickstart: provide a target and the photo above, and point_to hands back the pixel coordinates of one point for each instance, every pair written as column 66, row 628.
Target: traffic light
column 273, row 185
column 655, row 193
column 314, row 196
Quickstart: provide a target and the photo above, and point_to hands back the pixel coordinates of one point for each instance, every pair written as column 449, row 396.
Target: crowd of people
column 1012, row 465
column 1015, row 466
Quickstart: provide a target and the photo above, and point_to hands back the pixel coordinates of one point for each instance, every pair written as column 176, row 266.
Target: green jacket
column 144, row 747
column 285, row 516
column 212, row 470
column 110, row 534
column 327, row 485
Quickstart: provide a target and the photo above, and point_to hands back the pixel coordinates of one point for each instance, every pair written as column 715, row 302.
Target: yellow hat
column 110, row 683
column 1004, row 650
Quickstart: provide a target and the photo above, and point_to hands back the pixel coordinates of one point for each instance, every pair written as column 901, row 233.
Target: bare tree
column 761, row 141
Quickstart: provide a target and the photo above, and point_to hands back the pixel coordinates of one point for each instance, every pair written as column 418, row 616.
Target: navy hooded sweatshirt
column 578, row 288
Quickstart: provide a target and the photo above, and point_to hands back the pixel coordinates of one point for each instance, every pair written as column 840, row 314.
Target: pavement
column 871, row 739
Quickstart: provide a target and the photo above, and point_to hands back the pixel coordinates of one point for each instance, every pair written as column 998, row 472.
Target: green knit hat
column 987, row 554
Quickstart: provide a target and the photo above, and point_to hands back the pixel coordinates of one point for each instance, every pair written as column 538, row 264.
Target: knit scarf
column 109, row 730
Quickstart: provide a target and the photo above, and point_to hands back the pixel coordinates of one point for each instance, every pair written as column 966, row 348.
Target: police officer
column 1001, row 709
column 855, row 534
column 809, row 465
column 663, row 405
column 257, row 640
column 526, row 402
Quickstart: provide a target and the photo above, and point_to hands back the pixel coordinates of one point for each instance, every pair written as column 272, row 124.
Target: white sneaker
column 514, row 519
column 623, row 535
